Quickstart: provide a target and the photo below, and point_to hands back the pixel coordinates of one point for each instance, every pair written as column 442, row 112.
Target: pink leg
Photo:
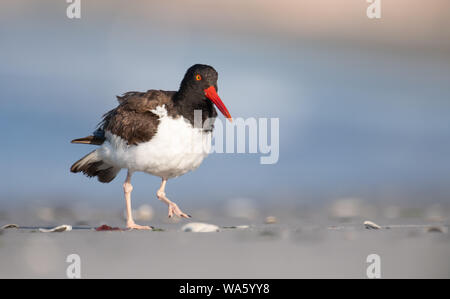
column 173, row 207
column 127, row 188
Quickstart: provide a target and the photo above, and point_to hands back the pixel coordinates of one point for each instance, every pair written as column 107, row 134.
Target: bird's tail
column 91, row 165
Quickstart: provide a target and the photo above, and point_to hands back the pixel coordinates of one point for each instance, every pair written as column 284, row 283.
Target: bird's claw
column 132, row 226
column 175, row 210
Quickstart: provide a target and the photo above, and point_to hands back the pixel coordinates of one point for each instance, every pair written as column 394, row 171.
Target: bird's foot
column 132, row 225
column 175, row 210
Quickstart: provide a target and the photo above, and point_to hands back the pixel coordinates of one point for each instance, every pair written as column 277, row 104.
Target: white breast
column 176, row 148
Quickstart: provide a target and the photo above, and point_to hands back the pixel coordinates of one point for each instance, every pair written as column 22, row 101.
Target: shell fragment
column 57, row 229
column 7, row 226
column 198, row 227
column 371, row 225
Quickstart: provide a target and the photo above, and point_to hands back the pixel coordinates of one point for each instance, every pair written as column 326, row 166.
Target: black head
column 199, row 85
column 199, row 77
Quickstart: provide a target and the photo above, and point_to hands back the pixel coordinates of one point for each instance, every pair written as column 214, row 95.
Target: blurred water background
column 363, row 104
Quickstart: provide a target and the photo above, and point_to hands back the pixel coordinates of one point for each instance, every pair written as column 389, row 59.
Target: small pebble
column 198, row 227
column 58, row 229
column 371, row 225
column 6, row 226
column 270, row 220
column 436, row 229
column 242, row 226
column 236, row 227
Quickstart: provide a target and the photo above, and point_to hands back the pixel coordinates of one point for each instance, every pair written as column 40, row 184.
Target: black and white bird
column 157, row 132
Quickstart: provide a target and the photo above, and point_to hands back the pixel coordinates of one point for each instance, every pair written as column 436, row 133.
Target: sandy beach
column 290, row 248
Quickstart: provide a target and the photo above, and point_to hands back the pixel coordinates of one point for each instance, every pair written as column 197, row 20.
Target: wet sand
column 289, row 248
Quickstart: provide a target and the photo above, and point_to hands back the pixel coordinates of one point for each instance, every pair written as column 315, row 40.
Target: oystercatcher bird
column 163, row 133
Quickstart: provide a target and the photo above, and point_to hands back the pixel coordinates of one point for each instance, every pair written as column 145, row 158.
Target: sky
column 363, row 104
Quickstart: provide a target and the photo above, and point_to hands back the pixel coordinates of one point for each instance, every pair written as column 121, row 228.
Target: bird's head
column 200, row 81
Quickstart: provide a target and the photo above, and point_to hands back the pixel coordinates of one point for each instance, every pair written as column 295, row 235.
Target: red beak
column 211, row 94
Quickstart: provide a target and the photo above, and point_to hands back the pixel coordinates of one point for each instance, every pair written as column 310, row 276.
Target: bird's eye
column 198, row 77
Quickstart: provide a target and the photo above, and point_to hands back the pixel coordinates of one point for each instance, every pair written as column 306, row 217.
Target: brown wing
column 133, row 120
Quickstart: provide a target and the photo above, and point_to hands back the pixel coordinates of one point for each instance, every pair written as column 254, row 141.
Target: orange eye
column 198, row 77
